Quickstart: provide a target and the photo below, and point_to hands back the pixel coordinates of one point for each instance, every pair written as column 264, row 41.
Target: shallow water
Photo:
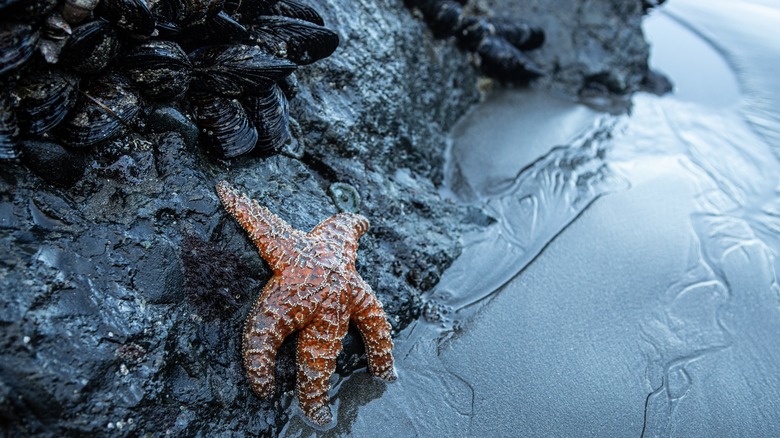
column 628, row 287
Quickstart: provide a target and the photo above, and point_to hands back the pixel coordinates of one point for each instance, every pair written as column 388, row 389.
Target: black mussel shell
column 173, row 16
column 230, row 69
column 471, row 31
column 299, row 41
column 519, row 33
column 9, row 130
column 225, row 127
column 295, row 9
column 502, row 60
column 168, row 16
column 17, row 43
column 132, row 16
column 44, row 98
column 160, row 69
column 75, row 11
column 55, row 164
column 227, row 27
column 231, row 6
column 270, row 113
column 107, row 107
column 91, row 47
column 443, row 17
column 251, row 9
column 222, row 28
column 31, row 9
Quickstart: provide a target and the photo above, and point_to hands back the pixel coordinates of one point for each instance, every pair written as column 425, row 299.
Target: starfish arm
column 270, row 321
column 369, row 317
column 270, row 233
column 318, row 346
column 343, row 229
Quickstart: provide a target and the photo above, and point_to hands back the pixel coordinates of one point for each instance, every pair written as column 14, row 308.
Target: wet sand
column 628, row 287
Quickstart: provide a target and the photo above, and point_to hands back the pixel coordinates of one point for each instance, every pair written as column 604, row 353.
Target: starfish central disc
column 315, row 290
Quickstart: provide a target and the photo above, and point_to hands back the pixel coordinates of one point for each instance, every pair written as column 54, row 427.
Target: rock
column 586, row 43
column 107, row 326
column 52, row 162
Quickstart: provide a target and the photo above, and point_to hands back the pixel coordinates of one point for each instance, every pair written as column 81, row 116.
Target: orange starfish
column 315, row 289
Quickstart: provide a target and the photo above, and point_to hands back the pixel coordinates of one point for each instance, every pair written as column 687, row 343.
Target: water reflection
column 700, row 72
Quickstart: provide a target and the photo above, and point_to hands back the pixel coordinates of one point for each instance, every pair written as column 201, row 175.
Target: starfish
column 315, row 290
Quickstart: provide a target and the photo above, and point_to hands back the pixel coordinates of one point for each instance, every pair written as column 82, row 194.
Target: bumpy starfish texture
column 315, row 290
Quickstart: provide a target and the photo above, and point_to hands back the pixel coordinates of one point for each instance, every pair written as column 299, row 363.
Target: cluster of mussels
column 499, row 41
column 82, row 72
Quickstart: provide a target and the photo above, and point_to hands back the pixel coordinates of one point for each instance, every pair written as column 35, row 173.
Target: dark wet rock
column 108, row 326
column 167, row 119
column 52, row 162
column 585, row 40
column 657, row 83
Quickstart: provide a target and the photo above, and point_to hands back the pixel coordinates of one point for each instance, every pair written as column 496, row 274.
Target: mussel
column 225, row 126
column 299, row 41
column 224, row 28
column 17, row 43
column 471, row 31
column 443, row 17
column 174, row 16
column 109, row 106
column 91, row 47
column 295, row 9
column 132, row 16
column 52, row 162
column 44, row 98
column 56, row 32
column 519, row 33
column 230, row 69
column 160, row 69
column 9, row 130
column 502, row 60
column 270, row 113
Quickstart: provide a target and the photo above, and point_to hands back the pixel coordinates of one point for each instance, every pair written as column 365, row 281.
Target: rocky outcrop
column 123, row 294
